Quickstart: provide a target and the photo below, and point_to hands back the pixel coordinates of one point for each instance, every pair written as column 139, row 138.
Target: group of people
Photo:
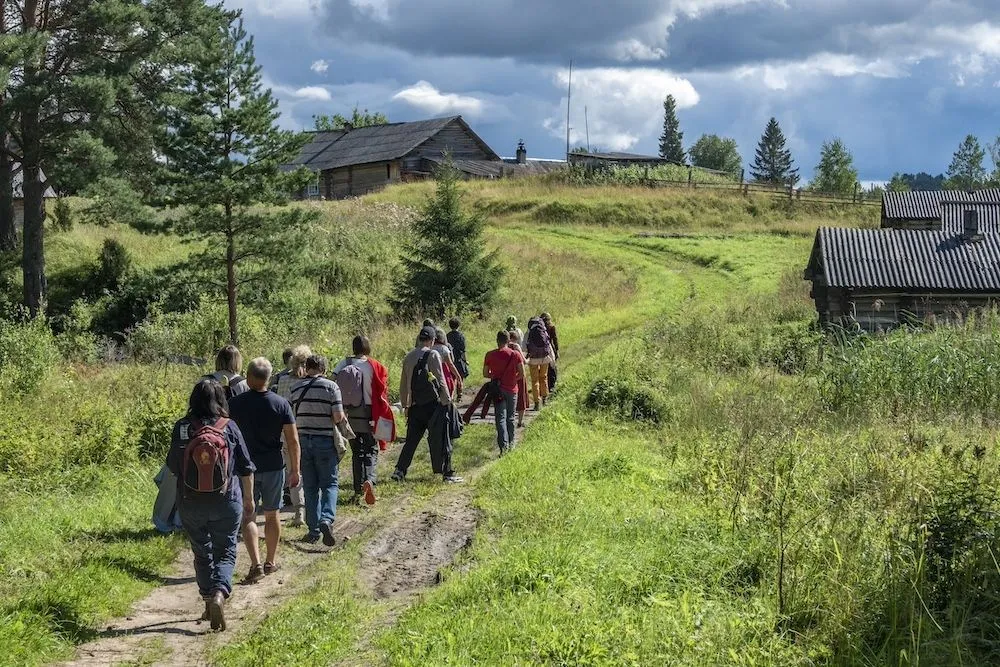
column 248, row 443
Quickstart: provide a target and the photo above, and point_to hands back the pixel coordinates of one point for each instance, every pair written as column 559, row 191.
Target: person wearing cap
column 421, row 399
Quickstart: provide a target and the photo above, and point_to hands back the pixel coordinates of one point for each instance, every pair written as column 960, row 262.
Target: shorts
column 268, row 487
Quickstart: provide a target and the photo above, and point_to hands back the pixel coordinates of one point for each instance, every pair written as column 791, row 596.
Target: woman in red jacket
column 373, row 422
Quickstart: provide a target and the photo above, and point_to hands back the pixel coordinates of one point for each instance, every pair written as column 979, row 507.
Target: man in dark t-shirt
column 263, row 417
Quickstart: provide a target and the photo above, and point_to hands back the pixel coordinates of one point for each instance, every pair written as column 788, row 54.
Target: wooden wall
column 883, row 311
column 358, row 180
column 452, row 139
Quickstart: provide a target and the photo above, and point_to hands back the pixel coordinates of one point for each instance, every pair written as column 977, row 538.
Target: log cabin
column 879, row 279
column 923, row 209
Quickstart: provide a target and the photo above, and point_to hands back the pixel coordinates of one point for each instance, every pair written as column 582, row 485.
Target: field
column 717, row 482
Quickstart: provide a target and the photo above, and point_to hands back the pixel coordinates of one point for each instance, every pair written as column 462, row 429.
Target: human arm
column 554, row 339
column 176, row 447
column 249, row 508
column 436, row 368
column 337, row 404
column 244, row 467
column 291, row 433
column 404, row 383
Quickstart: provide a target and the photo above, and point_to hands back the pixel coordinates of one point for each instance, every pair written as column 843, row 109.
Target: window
column 314, row 189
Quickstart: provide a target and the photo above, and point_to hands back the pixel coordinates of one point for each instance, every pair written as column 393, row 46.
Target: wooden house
column 923, row 209
column 17, row 183
column 356, row 161
column 878, row 279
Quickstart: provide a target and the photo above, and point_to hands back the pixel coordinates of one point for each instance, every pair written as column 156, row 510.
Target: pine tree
column 445, row 267
column 73, row 67
column 835, row 172
column 966, row 171
column 359, row 118
column 225, row 159
column 672, row 139
column 773, row 161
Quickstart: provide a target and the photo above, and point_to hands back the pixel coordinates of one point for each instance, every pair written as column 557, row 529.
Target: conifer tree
column 224, row 160
column 445, row 267
column 672, row 139
column 835, row 172
column 966, row 171
column 773, row 160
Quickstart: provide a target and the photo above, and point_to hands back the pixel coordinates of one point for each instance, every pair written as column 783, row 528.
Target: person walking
column 452, row 376
column 513, row 328
column 265, row 419
column 283, row 388
column 504, row 367
column 364, row 388
column 286, row 360
column 228, row 366
column 422, row 391
column 550, row 329
column 539, row 358
column 458, row 347
column 522, row 384
column 215, row 491
column 318, row 409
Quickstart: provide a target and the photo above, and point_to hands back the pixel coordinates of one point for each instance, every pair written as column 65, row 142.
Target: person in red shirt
column 504, row 367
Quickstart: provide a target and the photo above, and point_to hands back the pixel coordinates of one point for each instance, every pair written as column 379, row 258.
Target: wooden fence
column 745, row 188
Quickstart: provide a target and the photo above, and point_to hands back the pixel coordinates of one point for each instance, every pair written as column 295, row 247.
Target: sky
column 901, row 82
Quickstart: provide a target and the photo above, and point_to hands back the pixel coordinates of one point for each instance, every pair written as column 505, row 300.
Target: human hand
column 294, row 479
column 249, row 509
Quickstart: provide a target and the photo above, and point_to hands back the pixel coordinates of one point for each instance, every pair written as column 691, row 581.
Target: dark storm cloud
column 684, row 35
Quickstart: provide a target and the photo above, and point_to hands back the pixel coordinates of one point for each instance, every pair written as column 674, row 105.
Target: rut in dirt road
column 408, row 555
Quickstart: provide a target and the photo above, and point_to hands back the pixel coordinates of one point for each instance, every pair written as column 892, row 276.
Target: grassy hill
column 716, row 482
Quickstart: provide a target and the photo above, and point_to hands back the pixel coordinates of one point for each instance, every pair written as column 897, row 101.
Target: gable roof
column 618, row 156
column 17, row 183
column 926, row 204
column 905, row 259
column 377, row 143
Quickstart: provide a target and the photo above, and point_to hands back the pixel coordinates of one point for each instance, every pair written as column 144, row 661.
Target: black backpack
column 227, row 385
column 423, row 385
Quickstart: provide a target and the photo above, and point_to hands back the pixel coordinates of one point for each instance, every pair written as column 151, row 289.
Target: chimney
column 522, row 153
column 348, row 127
column 970, row 225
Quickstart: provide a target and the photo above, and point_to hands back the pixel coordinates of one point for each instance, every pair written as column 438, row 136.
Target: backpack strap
column 221, row 424
column 302, row 396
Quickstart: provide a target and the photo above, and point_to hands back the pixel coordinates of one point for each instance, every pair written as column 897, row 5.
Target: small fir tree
column 773, row 160
column 224, row 158
column 835, row 171
column 672, row 139
column 898, row 183
column 445, row 267
column 966, row 171
column 359, row 118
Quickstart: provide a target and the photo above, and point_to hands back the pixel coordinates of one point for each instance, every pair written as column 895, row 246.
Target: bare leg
column 251, row 537
column 272, row 535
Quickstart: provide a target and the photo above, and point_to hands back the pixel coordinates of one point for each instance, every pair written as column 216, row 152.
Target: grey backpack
column 352, row 385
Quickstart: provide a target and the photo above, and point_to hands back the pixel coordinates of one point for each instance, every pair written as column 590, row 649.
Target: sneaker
column 271, row 568
column 398, row 476
column 255, row 574
column 368, row 491
column 453, row 479
column 327, row 530
column 311, row 538
column 297, row 521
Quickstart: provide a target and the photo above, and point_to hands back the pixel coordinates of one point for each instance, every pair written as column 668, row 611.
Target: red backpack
column 205, row 467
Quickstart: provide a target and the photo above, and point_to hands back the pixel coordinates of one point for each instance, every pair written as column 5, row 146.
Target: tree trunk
column 33, row 262
column 8, row 226
column 234, row 336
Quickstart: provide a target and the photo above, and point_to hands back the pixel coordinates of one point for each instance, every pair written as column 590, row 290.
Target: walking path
column 409, row 542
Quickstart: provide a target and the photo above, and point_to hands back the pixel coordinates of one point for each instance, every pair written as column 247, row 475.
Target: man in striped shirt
column 318, row 409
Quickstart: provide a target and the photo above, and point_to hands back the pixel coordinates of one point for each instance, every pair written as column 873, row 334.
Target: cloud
column 623, row 106
column 313, row 93
column 424, row 96
column 800, row 76
column 280, row 9
column 320, row 66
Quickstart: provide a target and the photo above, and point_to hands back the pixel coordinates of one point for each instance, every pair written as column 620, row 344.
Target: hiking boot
column 255, row 574
column 538, row 406
column 327, row 530
column 271, row 568
column 205, row 615
column 297, row 521
column 311, row 538
column 368, row 492
column 214, row 608
column 398, row 476
column 453, row 479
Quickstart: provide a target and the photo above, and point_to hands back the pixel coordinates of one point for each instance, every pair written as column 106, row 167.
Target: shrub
column 626, row 398
column 28, row 354
column 62, row 215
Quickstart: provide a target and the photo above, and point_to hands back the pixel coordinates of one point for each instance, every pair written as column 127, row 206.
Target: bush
column 62, row 215
column 625, row 398
column 28, row 354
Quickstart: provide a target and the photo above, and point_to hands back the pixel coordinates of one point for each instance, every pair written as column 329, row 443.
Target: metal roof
column 926, row 204
column 906, row 259
column 953, row 217
column 377, row 143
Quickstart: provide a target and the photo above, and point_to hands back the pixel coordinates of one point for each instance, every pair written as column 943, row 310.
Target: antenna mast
column 569, row 98
column 586, row 121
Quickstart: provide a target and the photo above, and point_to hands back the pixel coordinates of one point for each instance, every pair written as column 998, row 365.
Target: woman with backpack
column 452, row 376
column 364, row 389
column 228, row 366
column 539, row 357
column 214, row 490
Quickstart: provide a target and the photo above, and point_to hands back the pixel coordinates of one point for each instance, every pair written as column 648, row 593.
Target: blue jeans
column 504, row 412
column 212, row 526
column 319, row 480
